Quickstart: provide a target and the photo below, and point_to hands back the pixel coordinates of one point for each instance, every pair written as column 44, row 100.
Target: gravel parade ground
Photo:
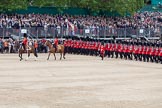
column 78, row 82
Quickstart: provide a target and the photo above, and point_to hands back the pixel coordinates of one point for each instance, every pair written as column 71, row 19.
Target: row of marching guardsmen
column 139, row 51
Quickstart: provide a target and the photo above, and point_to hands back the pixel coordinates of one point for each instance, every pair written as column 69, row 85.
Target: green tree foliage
column 8, row 5
column 120, row 6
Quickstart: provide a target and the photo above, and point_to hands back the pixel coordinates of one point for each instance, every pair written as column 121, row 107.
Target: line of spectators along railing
column 51, row 32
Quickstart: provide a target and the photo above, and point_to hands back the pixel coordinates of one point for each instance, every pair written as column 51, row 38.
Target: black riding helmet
column 25, row 35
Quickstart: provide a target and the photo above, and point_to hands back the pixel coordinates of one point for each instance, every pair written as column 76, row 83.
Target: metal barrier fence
column 51, row 32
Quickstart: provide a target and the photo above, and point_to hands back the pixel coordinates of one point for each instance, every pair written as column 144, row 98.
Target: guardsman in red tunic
column 68, row 45
column 88, row 47
column 74, row 49
column 156, row 54
column 152, row 53
column 136, row 49
column 120, row 50
column 96, row 48
column 108, row 48
column 112, row 49
column 144, row 52
column 148, row 52
column 102, row 51
column 93, row 48
column 139, row 51
column 77, row 47
column 125, row 50
column 85, row 47
column 160, row 54
column 81, row 47
column 117, row 47
column 128, row 50
column 72, row 46
column 131, row 48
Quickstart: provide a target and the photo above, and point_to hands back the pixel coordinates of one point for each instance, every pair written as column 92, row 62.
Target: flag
column 71, row 25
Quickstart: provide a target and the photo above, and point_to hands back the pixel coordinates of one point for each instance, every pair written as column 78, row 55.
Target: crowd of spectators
column 143, row 20
column 138, row 20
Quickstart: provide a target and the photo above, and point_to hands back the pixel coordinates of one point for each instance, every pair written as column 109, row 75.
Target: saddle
column 27, row 48
column 58, row 48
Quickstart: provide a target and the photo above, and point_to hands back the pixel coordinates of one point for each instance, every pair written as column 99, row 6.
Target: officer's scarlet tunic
column 56, row 41
column 25, row 41
column 102, row 49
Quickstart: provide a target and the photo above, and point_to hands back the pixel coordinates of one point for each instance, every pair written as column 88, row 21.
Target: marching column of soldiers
column 123, row 49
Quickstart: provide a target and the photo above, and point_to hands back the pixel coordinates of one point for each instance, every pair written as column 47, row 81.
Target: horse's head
column 47, row 43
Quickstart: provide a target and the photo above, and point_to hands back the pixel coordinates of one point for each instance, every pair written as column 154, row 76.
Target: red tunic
column 126, row 49
column 65, row 43
column 148, row 50
column 25, row 41
column 106, row 47
column 96, row 46
column 102, row 49
column 136, row 49
column 71, row 43
column 157, row 51
column 115, row 47
column 120, row 48
column 160, row 52
column 140, row 50
column 152, row 53
column 56, row 41
column 144, row 50
column 111, row 47
column 130, row 48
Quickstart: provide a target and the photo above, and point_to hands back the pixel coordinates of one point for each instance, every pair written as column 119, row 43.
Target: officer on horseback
column 25, row 42
column 56, row 43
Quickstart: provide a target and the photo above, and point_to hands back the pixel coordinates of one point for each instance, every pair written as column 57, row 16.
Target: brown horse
column 28, row 51
column 60, row 49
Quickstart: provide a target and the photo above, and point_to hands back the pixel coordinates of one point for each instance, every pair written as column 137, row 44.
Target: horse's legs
column 54, row 55
column 64, row 55
column 60, row 56
column 48, row 55
column 35, row 54
column 28, row 55
column 20, row 56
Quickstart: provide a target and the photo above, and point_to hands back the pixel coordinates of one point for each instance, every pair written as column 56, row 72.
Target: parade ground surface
column 79, row 82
